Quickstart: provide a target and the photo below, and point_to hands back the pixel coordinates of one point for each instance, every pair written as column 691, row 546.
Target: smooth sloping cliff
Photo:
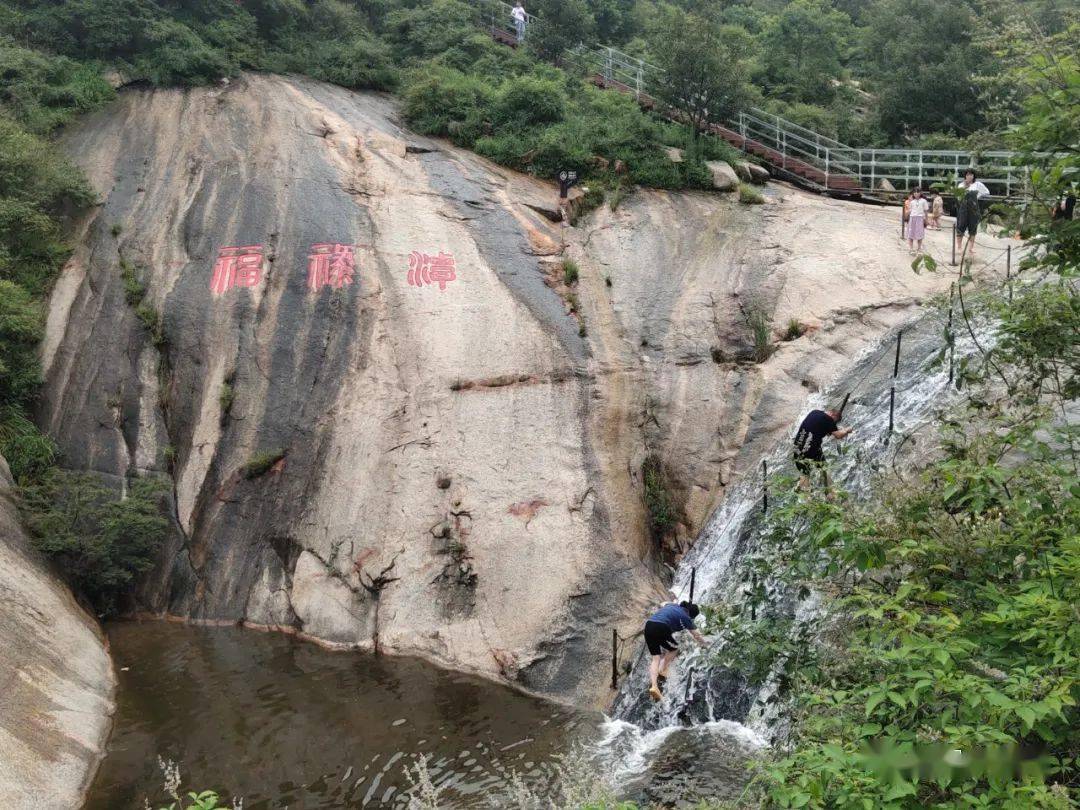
column 56, row 681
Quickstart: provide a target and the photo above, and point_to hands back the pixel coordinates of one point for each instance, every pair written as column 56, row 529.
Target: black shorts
column 806, row 463
column 969, row 225
column 658, row 637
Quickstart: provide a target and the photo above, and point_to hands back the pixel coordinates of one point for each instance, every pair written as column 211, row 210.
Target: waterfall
column 706, row 701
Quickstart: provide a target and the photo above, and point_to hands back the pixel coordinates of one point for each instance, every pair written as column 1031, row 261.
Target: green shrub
column 152, row 321
column 555, row 148
column 21, row 328
column 592, row 199
column 748, row 195
column 134, row 291
column 570, row 272
column 655, row 170
column 446, row 102
column 225, row 397
column 100, row 542
column 660, row 503
column 527, row 102
column 793, row 331
column 172, row 54
column 434, row 29
column 619, row 192
column 361, row 63
column 759, row 325
column 261, row 463
column 28, row 451
column 43, row 92
column 509, row 148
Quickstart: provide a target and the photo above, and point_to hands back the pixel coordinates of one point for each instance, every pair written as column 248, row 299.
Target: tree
column 928, row 88
column 616, row 20
column 561, row 25
column 705, row 65
column 803, row 51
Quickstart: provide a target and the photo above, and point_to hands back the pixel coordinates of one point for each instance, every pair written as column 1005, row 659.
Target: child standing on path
column 937, row 209
column 916, row 228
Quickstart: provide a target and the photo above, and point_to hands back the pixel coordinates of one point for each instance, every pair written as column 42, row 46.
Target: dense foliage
column 36, row 186
column 100, row 542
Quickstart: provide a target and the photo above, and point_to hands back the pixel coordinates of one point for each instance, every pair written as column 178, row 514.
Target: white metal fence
column 814, row 158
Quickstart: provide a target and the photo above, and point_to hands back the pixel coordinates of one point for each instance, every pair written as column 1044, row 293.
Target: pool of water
column 284, row 723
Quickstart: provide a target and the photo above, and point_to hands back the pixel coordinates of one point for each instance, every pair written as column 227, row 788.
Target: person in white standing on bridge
column 519, row 21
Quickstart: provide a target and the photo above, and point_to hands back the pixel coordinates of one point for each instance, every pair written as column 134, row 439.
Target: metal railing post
column 614, row 658
column 608, row 66
column 826, row 168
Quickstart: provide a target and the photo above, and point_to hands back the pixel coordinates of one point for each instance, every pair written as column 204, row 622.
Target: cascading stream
column 713, row 706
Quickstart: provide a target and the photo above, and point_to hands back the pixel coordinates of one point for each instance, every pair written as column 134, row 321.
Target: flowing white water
column 716, row 705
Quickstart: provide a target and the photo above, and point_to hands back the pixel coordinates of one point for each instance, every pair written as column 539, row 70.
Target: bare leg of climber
column 654, row 677
column 665, row 662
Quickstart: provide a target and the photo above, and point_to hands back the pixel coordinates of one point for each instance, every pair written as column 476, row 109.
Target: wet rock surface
column 670, row 285
column 56, row 682
column 454, row 473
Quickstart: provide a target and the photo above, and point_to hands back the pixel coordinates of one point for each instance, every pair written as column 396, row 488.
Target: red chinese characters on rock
column 427, row 269
column 237, row 267
column 330, row 265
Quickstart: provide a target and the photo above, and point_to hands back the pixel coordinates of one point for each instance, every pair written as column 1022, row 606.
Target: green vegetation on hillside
column 99, row 542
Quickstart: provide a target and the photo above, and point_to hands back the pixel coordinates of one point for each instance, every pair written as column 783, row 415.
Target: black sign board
column 566, row 179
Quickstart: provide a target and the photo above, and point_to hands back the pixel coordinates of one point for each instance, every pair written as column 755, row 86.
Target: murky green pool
column 284, row 723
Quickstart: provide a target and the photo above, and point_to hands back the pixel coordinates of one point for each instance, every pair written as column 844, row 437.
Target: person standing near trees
column 916, row 227
column 520, row 18
column 968, row 212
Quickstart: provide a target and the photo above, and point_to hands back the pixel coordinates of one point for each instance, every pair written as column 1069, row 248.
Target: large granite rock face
column 454, row 472
column 440, row 491
column 671, row 281
column 56, row 681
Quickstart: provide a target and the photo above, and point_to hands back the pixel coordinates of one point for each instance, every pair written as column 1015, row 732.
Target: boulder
column 885, row 185
column 675, row 155
column 724, row 177
column 758, row 174
column 742, row 168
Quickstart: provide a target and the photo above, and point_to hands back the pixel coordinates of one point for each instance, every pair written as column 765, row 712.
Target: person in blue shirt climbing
column 660, row 632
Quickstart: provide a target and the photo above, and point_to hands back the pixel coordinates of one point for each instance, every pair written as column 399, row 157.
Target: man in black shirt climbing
column 813, row 430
